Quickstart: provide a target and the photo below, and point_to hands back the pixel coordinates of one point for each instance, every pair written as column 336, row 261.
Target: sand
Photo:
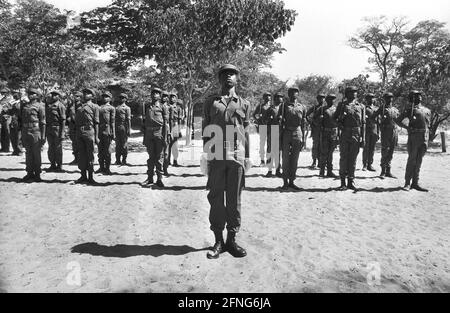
column 125, row 238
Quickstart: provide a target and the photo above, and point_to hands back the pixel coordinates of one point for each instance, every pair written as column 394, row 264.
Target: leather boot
column 37, row 177
column 175, row 163
column 29, row 176
column 343, row 185
column 232, row 247
column 388, row 172
column 415, row 185
column 285, row 184
column 351, row 184
column 269, row 174
column 82, row 179
column 101, row 169
column 294, row 186
column 370, row 168
column 159, row 182
column 219, row 246
column 91, row 178
column 383, row 172
column 322, row 172
column 148, row 181
column 330, row 173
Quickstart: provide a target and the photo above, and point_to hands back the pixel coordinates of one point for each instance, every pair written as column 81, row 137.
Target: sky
column 317, row 42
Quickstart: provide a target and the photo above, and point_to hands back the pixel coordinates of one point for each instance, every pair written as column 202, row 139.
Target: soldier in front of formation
column 86, row 124
column 315, row 129
column 372, row 133
column 123, row 129
column 419, row 118
column 328, row 135
column 55, row 113
column 107, row 130
column 389, row 135
column 350, row 116
column 155, row 128
column 32, row 123
column 293, row 117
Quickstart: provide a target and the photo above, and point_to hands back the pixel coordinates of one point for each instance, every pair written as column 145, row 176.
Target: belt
column 86, row 127
column 417, row 130
column 31, row 124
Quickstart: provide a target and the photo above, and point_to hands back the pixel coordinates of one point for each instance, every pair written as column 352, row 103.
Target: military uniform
column 389, row 136
column 372, row 136
column 272, row 119
column 56, row 117
column 123, row 118
column 177, row 116
column 86, row 119
column 14, row 112
column 167, row 139
column 418, row 134
column 32, row 120
column 260, row 116
column 328, row 137
column 5, row 120
column 315, row 131
column 106, row 129
column 293, row 117
column 155, row 131
column 350, row 117
column 72, row 129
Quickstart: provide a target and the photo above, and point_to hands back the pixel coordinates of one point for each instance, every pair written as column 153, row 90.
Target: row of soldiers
column 350, row 124
column 89, row 124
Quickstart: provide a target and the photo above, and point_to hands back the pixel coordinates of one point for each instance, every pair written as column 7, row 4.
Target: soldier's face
column 228, row 79
column 165, row 98
column 106, row 99
column 54, row 97
column 278, row 100
column 156, row 96
column 77, row 98
column 267, row 98
column 173, row 99
column 88, row 96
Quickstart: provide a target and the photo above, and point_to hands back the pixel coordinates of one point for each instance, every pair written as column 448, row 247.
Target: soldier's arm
column 96, row 122
column 113, row 122
column 363, row 125
column 246, row 131
column 42, row 122
column 166, row 122
column 62, row 120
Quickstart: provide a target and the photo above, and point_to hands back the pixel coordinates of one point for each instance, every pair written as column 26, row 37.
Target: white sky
column 317, row 42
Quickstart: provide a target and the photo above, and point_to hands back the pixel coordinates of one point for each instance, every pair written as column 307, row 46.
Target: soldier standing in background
column 328, row 135
column 123, row 128
column 168, row 138
column 55, row 113
column 260, row 115
column 177, row 115
column 86, row 123
column 272, row 119
column 389, row 134
column 76, row 103
column 106, row 128
column 372, row 133
column 32, row 122
column 293, row 118
column 315, row 129
column 5, row 118
column 419, row 118
column 14, row 112
column 350, row 116
column 155, row 127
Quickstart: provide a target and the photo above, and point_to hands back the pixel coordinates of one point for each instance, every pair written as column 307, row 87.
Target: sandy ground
column 121, row 237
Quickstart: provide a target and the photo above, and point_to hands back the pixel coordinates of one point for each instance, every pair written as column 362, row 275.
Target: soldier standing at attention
column 293, row 117
column 14, row 127
column 32, row 122
column 55, row 113
column 123, row 128
column 328, row 135
column 155, row 126
column 86, row 123
column 230, row 157
column 260, row 119
column 389, row 135
column 372, row 133
column 350, row 116
column 168, row 138
column 106, row 128
column 5, row 118
column 315, row 129
column 272, row 119
column 177, row 115
column 76, row 103
column 419, row 118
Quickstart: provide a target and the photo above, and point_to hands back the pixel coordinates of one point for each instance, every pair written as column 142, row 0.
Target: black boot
column 370, row 168
column 233, row 248
column 101, row 169
column 148, row 181
column 330, row 173
column 285, row 184
column 269, row 174
column 415, row 185
column 383, row 172
column 219, row 246
column 343, row 185
column 52, row 168
column 28, row 177
column 82, row 179
column 313, row 165
column 322, row 172
column 294, row 186
column 388, row 172
column 91, row 180
column 175, row 163
column 364, row 168
column 159, row 182
column 118, row 160
column 107, row 170
column 37, row 177
column 278, row 172
column 351, row 184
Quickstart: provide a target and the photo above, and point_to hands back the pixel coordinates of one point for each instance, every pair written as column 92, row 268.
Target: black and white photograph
column 234, row 147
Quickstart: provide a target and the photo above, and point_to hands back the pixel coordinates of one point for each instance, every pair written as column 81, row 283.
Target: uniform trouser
column 226, row 180
column 5, row 134
column 55, row 151
column 263, row 136
column 275, row 160
column 327, row 146
column 369, row 148
column 31, row 142
column 73, row 138
column 174, row 149
column 166, row 152
column 121, row 142
column 315, row 134
column 417, row 147
column 86, row 145
column 15, row 138
column 389, row 139
column 291, row 146
column 104, row 150
column 155, row 150
column 349, row 150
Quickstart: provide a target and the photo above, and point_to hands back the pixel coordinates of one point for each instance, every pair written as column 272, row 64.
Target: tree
column 186, row 39
column 312, row 85
column 382, row 39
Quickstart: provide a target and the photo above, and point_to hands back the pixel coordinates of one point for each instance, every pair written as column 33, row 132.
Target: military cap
column 415, row 92
column 123, row 95
column 4, row 90
column 173, row 93
column 228, row 67
column 55, row 91
column 278, row 94
column 370, row 95
column 164, row 93
column 321, row 95
column 331, row 96
column 156, row 89
column 388, row 94
column 35, row 91
column 351, row 88
column 89, row 90
column 267, row 94
column 293, row 89
column 107, row 94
